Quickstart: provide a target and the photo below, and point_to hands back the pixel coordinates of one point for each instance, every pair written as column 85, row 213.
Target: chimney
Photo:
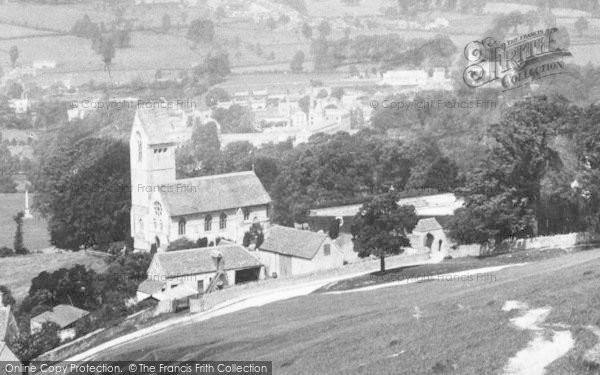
column 218, row 259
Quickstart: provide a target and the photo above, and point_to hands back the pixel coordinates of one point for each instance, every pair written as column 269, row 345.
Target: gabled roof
column 158, row 125
column 63, row 315
column 427, row 205
column 150, row 286
column 6, row 355
column 289, row 241
column 198, row 261
column 427, row 225
column 214, row 193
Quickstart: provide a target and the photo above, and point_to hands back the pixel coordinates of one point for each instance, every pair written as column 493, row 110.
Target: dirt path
column 540, row 352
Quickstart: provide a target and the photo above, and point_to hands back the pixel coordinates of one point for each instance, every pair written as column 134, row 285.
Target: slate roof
column 289, row 241
column 214, row 193
column 198, row 261
column 150, row 286
column 427, row 225
column 425, row 206
column 6, row 355
column 63, row 315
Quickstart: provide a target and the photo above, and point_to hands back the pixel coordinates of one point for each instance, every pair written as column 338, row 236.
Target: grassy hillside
column 17, row 272
column 376, row 332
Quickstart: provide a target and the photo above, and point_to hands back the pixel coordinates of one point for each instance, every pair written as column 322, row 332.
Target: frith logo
column 518, row 61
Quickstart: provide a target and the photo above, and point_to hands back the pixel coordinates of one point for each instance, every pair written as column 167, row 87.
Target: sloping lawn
column 16, row 272
column 460, row 327
column 425, row 271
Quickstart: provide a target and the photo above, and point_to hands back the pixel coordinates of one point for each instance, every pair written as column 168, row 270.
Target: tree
column 271, row 23
column 337, row 92
column 254, row 236
column 220, row 13
column 27, row 347
column 307, row 31
column 200, row 156
column 18, row 245
column 216, row 66
column 216, row 96
column 201, row 30
column 324, row 29
column 297, row 62
column 381, row 227
column 7, row 297
column 14, row 55
column 304, row 104
column 166, row 23
column 503, row 195
column 581, row 25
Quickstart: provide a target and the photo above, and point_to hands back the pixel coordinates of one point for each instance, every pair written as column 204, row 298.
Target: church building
column 164, row 209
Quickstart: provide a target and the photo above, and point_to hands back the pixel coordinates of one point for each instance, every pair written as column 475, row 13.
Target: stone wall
column 562, row 241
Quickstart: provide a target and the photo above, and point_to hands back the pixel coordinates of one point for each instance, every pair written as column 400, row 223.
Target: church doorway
column 157, row 242
column 428, row 241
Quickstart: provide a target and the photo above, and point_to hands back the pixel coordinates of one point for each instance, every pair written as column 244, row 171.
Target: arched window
column 223, row 221
column 208, row 223
column 139, row 145
column 181, row 227
column 140, row 227
column 158, row 209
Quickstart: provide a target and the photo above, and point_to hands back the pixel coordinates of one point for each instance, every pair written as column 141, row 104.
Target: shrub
column 6, row 252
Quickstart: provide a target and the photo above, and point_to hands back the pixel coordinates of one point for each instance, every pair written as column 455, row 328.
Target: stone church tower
column 152, row 159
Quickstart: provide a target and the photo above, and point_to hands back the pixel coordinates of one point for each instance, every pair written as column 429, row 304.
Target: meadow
column 17, row 272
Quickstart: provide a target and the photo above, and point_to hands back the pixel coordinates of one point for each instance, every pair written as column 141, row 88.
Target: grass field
column 17, row 272
column 425, row 271
column 462, row 328
column 35, row 231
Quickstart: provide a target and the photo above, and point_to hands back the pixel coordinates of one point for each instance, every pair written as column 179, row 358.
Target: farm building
column 65, row 316
column 200, row 270
column 288, row 251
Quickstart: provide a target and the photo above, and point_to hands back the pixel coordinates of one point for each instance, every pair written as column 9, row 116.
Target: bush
column 6, row 252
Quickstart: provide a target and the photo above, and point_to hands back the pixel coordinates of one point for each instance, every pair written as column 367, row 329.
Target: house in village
column 65, row 316
column 176, row 275
column 288, row 252
column 165, row 209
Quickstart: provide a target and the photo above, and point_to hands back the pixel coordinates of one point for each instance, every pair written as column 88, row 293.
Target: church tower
column 152, row 161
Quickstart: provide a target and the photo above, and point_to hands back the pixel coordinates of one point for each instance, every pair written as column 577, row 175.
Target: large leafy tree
column 201, row 31
column 381, row 227
column 84, row 185
column 503, row 195
column 200, row 156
